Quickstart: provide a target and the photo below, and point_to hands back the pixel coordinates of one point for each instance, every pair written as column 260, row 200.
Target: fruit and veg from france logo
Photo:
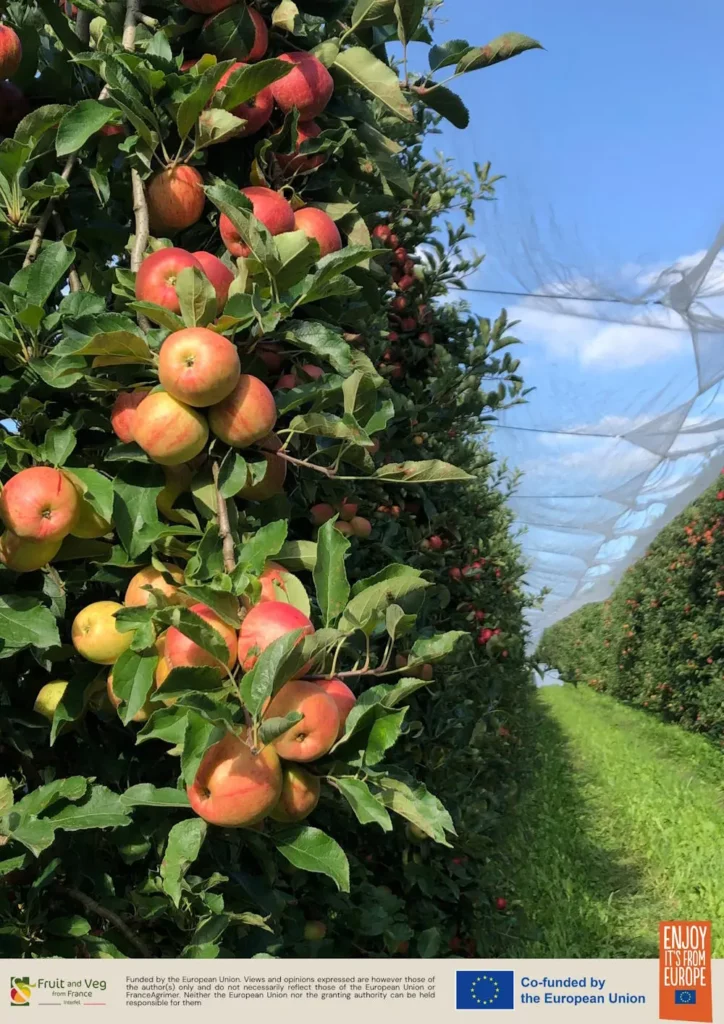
column 20, row 991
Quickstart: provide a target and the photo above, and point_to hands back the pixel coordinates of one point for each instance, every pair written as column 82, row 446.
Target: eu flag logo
column 685, row 997
column 484, row 990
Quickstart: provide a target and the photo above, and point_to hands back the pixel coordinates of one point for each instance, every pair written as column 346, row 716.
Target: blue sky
column 610, row 147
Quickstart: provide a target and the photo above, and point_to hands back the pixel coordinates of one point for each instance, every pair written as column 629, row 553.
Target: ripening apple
column 137, row 597
column 169, row 431
column 321, row 513
column 342, row 697
column 181, row 651
column 314, row 931
column 198, row 366
column 316, row 732
column 245, row 415
column 39, row 503
column 273, row 579
column 235, row 786
column 27, row 555
column 95, row 634
column 256, row 111
column 89, row 525
column 308, row 87
column 156, row 277
column 176, row 198
column 361, row 527
column 268, row 206
column 269, row 355
column 11, row 51
column 49, row 697
column 218, row 273
column 178, row 481
column 270, row 485
column 123, row 412
column 299, row 163
column 319, row 225
column 299, row 795
column 264, row 624
column 344, row 528
column 143, row 713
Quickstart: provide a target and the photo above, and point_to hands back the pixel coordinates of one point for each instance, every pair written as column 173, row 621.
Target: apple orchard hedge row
column 259, row 603
column 659, row 642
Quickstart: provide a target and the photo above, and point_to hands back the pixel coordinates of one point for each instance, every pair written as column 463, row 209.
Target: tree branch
column 227, row 540
column 74, row 282
column 307, row 465
column 42, row 225
column 109, row 915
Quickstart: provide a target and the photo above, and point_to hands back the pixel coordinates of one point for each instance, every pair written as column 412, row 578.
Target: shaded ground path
column 620, row 824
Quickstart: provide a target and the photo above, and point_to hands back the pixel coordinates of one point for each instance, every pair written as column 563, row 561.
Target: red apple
column 39, row 504
column 300, row 164
column 198, row 366
column 299, row 796
column 235, row 787
column 269, row 355
column 308, row 86
column 261, row 35
column 264, row 624
column 361, row 527
column 207, row 6
column 123, row 412
column 382, row 233
column 321, row 513
column 175, row 198
column 269, row 207
column 137, row 596
column 342, row 697
column 256, row 111
column 219, row 275
column 246, row 415
column 156, row 278
column 169, row 431
column 316, row 732
column 11, row 51
column 319, row 225
column 180, row 651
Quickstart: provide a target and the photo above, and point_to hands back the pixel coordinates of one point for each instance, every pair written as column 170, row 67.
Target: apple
column 426, row 339
column 261, row 35
column 169, row 431
column 137, row 597
column 271, row 484
column 257, row 110
column 273, row 579
column 269, row 207
column 319, row 225
column 269, row 355
column 27, row 555
column 11, row 51
column 245, row 415
column 342, row 697
column 207, row 6
column 95, row 635
column 382, row 233
column 219, row 275
column 198, row 366
column 156, row 277
column 406, row 282
column 286, row 382
column 49, row 697
column 89, row 525
column 39, row 503
column 316, row 732
column 175, row 198
column 234, row 785
column 264, row 624
column 314, row 931
column 501, row 903
column 415, row 833
column 123, row 412
column 181, row 651
column 299, row 796
column 178, row 481
column 344, row 528
column 298, row 163
column 455, row 574
column 348, row 510
column 308, row 86
column 436, row 542
column 143, row 713
column 321, row 513
column 13, row 107
column 361, row 527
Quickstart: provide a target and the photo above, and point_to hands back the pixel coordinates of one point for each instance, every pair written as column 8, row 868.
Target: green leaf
column 229, row 34
column 433, row 648
column 79, row 124
column 166, row 724
column 431, row 472
column 48, row 270
column 183, row 847
column 147, row 795
column 224, row 604
column 284, row 16
column 196, row 297
column 188, row 111
column 428, row 943
column 510, row 44
column 196, row 629
column 402, row 689
column 323, row 341
column 158, row 314
column 186, row 680
column 332, row 266
column 135, row 512
column 383, row 735
column 312, row 850
column 133, row 678
column 239, row 211
column 297, row 253
column 25, row 622
column 40, row 799
column 116, row 346
column 446, row 103
column 378, row 79
column 418, row 806
column 35, row 835
column 60, row 25
column 298, row 554
column 276, row 664
column 216, row 126
column 35, row 124
column 330, row 576
column 99, row 809
column 68, row 927
column 249, row 80
column 265, row 544
column 368, row 608
column 409, row 15
column 59, row 444
column 272, row 728
column 233, row 473
column 98, row 490
column 199, row 736
column 446, row 54
column 6, row 795
column 367, row 808
column 368, row 12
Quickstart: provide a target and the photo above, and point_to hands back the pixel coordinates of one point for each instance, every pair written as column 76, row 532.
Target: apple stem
column 227, row 540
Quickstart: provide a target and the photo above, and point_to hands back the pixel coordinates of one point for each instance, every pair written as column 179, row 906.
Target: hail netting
column 611, row 445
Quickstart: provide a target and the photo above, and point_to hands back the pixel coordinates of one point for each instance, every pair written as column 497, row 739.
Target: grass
column 620, row 826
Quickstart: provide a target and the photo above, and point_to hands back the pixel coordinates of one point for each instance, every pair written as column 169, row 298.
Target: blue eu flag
column 484, row 990
column 685, row 997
